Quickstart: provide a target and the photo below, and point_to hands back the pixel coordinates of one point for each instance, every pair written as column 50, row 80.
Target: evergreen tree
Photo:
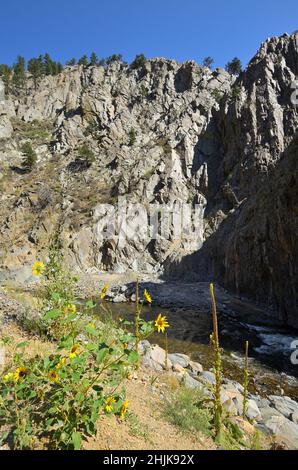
column 48, row 65
column 5, row 74
column 234, row 67
column 102, row 62
column 139, row 61
column 83, row 61
column 132, row 137
column 35, row 68
column 114, row 58
column 57, row 68
column 93, row 59
column 19, row 73
column 71, row 62
column 208, row 62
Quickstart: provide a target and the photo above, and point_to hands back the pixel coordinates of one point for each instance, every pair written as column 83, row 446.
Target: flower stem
column 245, row 381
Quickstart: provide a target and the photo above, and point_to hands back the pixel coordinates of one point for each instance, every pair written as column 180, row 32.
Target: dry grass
column 145, row 427
column 12, row 334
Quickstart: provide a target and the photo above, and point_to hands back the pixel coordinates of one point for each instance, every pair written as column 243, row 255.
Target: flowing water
column 271, row 370
column 270, row 366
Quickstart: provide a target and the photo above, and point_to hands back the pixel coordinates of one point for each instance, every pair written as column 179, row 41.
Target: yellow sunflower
column 147, row 296
column 161, row 323
column 38, row 268
column 123, row 409
column 104, row 291
column 74, row 351
column 61, row 363
column 70, row 308
column 109, row 404
column 53, row 376
column 20, row 373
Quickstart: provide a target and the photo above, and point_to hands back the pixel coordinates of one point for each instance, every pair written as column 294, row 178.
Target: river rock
column 228, row 403
column 118, row 298
column 294, row 417
column 178, row 358
column 246, row 427
column 285, row 405
column 177, row 367
column 195, row 367
column 262, row 402
column 190, row 382
column 268, row 412
column 233, row 385
column 207, row 377
column 237, row 400
column 253, row 412
column 158, row 356
column 144, row 346
column 283, row 429
column 148, row 362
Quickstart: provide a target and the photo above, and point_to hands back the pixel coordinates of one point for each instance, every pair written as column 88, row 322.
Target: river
column 271, row 370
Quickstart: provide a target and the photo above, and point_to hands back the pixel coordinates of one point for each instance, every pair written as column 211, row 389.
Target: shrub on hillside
column 29, row 156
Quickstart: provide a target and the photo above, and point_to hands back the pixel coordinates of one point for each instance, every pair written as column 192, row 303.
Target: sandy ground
column 144, row 427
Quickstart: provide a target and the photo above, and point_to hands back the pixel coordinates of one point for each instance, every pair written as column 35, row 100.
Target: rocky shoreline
column 274, row 415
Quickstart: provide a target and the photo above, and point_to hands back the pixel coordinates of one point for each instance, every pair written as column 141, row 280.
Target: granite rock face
column 162, row 133
column 142, row 126
column 251, row 217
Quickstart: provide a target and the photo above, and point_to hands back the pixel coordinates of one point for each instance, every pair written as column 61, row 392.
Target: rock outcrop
column 253, row 201
column 162, row 133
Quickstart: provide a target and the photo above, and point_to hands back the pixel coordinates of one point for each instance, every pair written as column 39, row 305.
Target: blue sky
column 178, row 29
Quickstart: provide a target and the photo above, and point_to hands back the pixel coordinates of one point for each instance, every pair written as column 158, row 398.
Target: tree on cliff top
column 234, row 67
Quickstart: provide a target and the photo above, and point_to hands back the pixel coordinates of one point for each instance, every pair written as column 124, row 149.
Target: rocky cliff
column 161, row 133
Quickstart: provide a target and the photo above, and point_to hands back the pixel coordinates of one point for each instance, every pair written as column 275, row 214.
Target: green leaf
column 91, row 330
column 101, row 355
column 4, row 437
column 71, row 317
column 79, row 397
column 52, row 314
column 66, row 342
column 132, row 356
column 32, row 394
column 76, row 377
column 90, row 304
column 76, row 440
